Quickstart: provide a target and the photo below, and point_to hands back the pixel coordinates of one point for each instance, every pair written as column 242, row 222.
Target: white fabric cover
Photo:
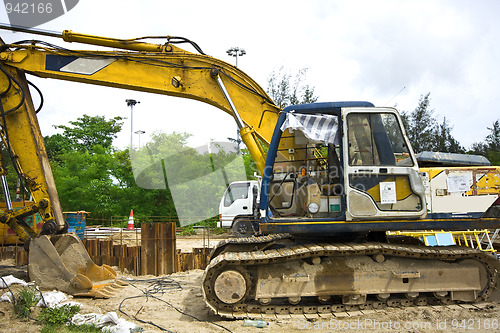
column 323, row 128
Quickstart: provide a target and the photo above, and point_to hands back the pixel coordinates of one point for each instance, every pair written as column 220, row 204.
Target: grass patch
column 59, row 315
column 25, row 300
column 87, row 328
column 56, row 320
column 188, row 231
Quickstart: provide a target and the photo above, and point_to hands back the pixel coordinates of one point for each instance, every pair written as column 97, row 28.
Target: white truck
column 238, row 207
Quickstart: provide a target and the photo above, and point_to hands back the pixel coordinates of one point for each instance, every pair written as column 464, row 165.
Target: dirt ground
column 178, row 306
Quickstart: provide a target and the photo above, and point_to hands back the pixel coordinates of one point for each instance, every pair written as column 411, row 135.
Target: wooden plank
column 196, row 258
column 21, row 257
column 161, row 248
column 131, row 260
column 95, row 247
column 148, row 260
column 201, row 257
column 152, row 247
column 181, row 260
column 170, row 247
column 166, row 248
column 120, row 252
column 186, row 261
column 105, row 251
column 144, row 242
column 86, row 243
column 177, row 261
column 206, row 257
column 10, row 253
column 137, row 260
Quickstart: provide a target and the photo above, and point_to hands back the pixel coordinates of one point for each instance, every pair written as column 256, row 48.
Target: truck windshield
column 234, row 192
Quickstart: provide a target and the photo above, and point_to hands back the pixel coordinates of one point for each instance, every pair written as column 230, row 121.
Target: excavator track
column 254, row 282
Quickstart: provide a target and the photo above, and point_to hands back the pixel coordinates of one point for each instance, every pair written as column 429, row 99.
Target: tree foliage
column 286, row 89
column 196, row 178
column 88, row 132
column 84, row 166
column 91, row 175
column 424, row 131
column 490, row 147
column 444, row 141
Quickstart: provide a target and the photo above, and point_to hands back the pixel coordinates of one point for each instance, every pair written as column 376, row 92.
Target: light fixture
column 313, row 208
column 176, row 81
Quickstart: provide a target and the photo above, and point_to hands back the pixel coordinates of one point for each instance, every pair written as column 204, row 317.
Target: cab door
column 381, row 175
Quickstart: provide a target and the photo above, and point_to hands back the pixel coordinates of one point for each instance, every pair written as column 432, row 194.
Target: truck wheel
column 243, row 228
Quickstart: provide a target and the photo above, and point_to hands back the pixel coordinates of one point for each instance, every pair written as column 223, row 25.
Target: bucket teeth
column 106, row 290
column 122, row 283
column 61, row 262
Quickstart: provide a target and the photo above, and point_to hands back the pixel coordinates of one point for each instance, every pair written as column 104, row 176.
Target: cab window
column 234, row 192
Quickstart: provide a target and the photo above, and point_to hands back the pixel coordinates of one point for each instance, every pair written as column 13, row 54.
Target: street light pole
column 235, row 52
column 139, row 132
column 131, row 103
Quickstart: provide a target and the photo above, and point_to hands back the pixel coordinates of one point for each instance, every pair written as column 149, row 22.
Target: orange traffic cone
column 130, row 225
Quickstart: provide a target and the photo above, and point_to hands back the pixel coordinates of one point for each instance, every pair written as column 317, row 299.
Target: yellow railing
column 470, row 238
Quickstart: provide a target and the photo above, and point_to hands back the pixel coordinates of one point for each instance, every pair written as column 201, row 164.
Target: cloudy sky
column 387, row 52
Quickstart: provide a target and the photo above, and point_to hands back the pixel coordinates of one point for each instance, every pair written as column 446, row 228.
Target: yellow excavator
column 335, row 178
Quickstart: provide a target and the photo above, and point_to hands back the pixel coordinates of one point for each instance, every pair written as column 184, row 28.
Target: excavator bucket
column 61, row 262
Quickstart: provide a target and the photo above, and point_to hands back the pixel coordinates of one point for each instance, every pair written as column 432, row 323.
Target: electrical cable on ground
column 8, row 287
column 160, row 286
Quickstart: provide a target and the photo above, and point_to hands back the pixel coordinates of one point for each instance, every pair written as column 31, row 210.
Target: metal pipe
column 239, row 121
column 19, row 28
column 6, row 193
column 70, row 36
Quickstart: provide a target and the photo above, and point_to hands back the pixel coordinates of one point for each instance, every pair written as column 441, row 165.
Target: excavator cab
column 340, row 162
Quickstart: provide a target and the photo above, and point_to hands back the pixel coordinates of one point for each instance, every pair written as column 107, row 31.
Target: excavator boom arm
column 154, row 68
column 159, row 69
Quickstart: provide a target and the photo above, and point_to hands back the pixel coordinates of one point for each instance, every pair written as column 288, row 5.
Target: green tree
column 91, row 175
column 493, row 139
column 86, row 133
column 84, row 182
column 424, row 131
column 145, row 202
column 490, row 147
column 421, row 126
column 84, row 166
column 444, row 141
column 196, row 179
column 285, row 89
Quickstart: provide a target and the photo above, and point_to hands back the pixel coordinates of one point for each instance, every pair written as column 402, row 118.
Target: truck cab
column 238, row 207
